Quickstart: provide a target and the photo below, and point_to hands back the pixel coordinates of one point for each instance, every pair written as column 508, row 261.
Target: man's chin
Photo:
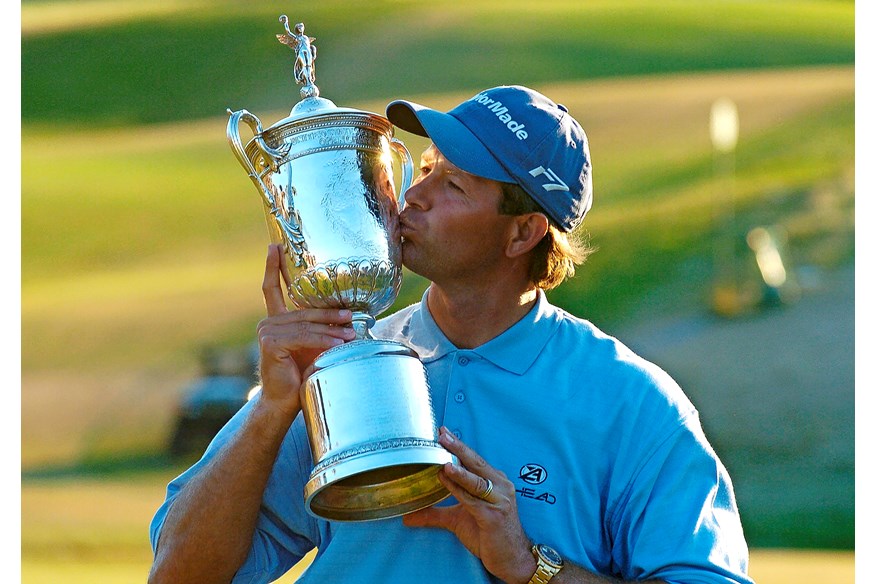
column 409, row 260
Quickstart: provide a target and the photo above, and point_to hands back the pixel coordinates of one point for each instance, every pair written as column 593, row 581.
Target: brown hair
column 554, row 257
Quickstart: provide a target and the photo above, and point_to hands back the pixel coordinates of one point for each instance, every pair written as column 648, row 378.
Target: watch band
column 548, row 564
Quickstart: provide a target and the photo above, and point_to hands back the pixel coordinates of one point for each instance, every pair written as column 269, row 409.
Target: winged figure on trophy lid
column 305, row 55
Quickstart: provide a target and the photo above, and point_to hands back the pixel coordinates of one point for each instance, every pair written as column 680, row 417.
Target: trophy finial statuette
column 305, row 55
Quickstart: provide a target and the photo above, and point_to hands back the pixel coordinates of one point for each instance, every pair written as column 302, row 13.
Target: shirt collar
column 514, row 350
column 430, row 344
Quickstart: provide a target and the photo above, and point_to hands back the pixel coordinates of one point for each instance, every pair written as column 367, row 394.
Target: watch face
column 550, row 555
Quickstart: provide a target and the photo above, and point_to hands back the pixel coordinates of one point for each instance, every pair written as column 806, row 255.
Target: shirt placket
column 457, row 406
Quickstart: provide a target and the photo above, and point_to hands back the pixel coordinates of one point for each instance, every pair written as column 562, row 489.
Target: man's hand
column 289, row 341
column 488, row 525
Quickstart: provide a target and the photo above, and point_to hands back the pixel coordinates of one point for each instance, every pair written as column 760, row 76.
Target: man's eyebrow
column 456, row 171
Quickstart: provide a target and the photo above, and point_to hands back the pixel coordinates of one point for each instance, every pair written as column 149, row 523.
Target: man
column 578, row 460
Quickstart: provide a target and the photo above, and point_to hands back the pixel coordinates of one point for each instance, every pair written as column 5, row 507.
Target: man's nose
column 415, row 195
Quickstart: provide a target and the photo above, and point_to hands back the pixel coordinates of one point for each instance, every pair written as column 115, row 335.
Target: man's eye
column 424, row 169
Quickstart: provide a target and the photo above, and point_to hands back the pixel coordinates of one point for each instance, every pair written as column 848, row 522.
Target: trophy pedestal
column 388, row 486
column 372, row 434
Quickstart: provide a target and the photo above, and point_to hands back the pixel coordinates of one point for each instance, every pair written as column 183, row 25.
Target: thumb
column 431, row 517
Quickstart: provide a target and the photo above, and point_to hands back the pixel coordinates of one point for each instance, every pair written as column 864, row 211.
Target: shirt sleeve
column 678, row 520
column 284, row 531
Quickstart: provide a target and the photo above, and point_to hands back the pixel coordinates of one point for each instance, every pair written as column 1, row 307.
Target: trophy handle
column 271, row 155
column 407, row 166
column 290, row 229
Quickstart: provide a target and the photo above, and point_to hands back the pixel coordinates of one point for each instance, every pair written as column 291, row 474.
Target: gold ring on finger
column 486, row 494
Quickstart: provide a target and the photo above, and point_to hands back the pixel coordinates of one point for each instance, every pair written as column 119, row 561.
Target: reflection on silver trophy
column 325, row 176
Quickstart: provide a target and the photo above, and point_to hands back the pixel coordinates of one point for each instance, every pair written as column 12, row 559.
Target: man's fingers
column 342, row 317
column 284, row 266
column 274, row 300
column 468, row 457
column 291, row 336
column 467, row 487
column 429, row 517
column 472, row 480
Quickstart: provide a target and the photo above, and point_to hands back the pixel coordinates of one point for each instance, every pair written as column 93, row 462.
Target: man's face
column 450, row 225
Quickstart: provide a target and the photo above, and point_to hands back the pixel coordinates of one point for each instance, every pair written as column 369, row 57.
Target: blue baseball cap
column 512, row 134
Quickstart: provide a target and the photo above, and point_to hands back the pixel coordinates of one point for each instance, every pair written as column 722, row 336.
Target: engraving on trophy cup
column 327, row 185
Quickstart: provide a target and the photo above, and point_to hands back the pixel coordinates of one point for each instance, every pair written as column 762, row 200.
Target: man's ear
column 527, row 230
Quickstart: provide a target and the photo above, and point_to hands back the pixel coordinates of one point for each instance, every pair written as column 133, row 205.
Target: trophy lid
column 311, row 104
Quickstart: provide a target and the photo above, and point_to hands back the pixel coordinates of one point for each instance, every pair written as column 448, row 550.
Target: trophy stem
column 362, row 323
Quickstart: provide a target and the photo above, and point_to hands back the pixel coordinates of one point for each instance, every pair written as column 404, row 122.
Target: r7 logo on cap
column 556, row 185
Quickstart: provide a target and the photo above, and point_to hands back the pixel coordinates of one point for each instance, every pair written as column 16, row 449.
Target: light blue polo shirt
column 607, row 455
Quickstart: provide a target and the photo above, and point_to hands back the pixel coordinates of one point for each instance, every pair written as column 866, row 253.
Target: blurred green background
column 143, row 241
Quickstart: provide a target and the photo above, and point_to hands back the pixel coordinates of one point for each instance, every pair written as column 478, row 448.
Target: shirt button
column 459, row 397
column 457, row 433
column 463, row 361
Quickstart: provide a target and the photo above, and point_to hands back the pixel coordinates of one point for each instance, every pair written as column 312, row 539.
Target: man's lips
column 406, row 225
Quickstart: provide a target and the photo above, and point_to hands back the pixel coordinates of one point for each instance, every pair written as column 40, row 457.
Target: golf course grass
column 142, row 240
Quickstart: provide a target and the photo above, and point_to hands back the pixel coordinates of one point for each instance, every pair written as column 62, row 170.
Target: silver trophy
column 325, row 176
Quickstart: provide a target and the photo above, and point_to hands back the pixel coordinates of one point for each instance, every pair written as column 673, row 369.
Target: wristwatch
column 549, row 564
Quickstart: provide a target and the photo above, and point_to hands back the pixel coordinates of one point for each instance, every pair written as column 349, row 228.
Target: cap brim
column 450, row 136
